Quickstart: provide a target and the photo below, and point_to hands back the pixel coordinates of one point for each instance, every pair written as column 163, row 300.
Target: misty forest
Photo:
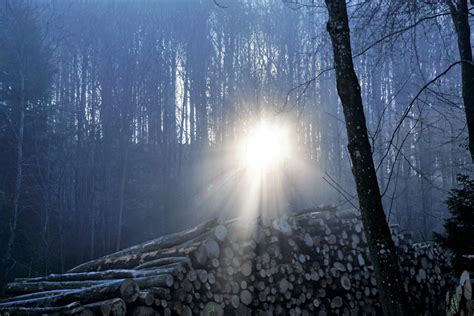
column 236, row 157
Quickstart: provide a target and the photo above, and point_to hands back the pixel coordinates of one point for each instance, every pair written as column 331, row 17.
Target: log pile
column 312, row 262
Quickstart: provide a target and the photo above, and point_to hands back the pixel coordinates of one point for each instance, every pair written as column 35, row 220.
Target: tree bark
column 102, row 275
column 126, row 289
column 382, row 250
column 32, row 287
column 460, row 16
column 163, row 242
column 18, row 310
column 130, row 261
column 123, row 182
column 114, row 306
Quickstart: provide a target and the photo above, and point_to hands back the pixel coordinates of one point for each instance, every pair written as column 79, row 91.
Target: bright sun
column 265, row 147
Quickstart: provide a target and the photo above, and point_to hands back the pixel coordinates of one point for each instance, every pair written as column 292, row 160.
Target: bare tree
column 382, row 249
column 460, row 15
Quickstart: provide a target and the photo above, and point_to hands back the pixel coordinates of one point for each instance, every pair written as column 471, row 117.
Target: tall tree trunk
column 93, row 170
column 19, row 169
column 382, row 249
column 123, row 182
column 460, row 16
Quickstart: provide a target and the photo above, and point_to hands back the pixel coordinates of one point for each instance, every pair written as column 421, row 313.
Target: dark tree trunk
column 382, row 250
column 460, row 15
column 19, row 170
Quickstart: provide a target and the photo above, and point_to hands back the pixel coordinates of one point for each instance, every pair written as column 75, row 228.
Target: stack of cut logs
column 312, row 262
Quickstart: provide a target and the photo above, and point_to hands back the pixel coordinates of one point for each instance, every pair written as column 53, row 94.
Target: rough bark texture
column 167, row 241
column 19, row 171
column 114, row 306
column 18, row 310
column 25, row 288
column 101, row 275
column 125, row 289
column 382, row 250
column 460, row 16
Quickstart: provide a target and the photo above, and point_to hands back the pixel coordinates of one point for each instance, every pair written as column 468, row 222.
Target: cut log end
column 129, row 291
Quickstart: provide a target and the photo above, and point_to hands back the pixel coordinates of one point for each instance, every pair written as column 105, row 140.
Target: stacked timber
column 312, row 262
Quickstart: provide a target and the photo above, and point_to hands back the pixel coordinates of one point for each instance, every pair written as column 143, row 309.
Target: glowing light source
column 265, row 147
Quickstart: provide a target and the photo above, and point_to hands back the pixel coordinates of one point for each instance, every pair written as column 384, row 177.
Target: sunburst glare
column 265, row 147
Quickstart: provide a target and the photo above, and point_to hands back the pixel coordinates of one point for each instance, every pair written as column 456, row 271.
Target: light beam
column 265, row 147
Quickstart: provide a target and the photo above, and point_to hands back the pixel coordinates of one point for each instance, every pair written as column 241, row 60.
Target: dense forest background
column 118, row 119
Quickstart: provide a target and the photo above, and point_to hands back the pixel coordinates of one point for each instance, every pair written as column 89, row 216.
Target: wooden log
column 164, row 262
column 133, row 260
column 146, row 298
column 202, row 275
column 235, row 301
column 212, row 249
column 30, row 287
column 213, row 309
column 163, row 242
column 32, row 295
column 246, row 297
column 345, row 282
column 112, row 307
column 336, row 302
column 186, row 311
column 81, row 311
column 320, row 210
column 102, row 275
column 467, row 291
column 143, row 311
column 180, row 309
column 281, row 225
column 220, row 232
column 160, row 292
column 161, row 277
column 246, row 268
column 20, row 310
column 125, row 289
column 162, row 280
